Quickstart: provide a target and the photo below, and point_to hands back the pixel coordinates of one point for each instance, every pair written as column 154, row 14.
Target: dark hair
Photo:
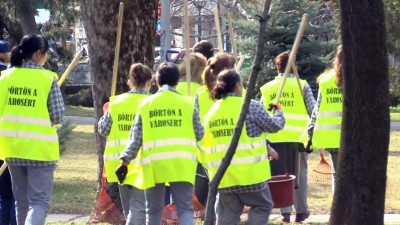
column 281, row 61
column 197, row 64
column 214, row 66
column 226, row 83
column 167, row 73
column 204, row 47
column 139, row 74
column 337, row 67
column 29, row 44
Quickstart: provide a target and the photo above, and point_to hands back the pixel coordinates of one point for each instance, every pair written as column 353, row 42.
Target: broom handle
column 187, row 52
column 70, row 68
column 218, row 29
column 117, row 47
column 3, row 168
column 321, row 153
column 292, row 54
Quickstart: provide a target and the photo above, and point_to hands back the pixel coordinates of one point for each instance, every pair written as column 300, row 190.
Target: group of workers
column 160, row 140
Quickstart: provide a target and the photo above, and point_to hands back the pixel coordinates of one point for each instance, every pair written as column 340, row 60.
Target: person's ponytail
column 29, row 44
column 226, row 83
column 17, row 56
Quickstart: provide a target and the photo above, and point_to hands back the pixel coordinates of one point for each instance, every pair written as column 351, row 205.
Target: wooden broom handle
column 187, row 52
column 117, row 47
column 292, row 54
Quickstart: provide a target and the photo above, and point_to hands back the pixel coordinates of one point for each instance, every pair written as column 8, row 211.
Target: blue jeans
column 32, row 188
column 182, row 196
column 137, row 207
column 7, row 210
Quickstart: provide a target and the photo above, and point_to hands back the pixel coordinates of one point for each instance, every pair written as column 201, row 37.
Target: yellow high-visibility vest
column 205, row 102
column 182, row 88
column 329, row 119
column 293, row 106
column 122, row 110
column 26, row 131
column 169, row 143
column 250, row 164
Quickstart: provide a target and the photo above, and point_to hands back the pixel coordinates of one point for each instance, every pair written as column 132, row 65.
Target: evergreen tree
column 318, row 42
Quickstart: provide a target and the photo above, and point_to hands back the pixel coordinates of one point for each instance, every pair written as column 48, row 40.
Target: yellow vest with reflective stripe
column 250, row 164
column 122, row 110
column 182, row 88
column 293, row 106
column 26, row 131
column 169, row 143
column 328, row 124
column 205, row 102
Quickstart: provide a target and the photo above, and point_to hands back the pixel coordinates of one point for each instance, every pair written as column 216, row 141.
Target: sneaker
column 300, row 217
column 286, row 217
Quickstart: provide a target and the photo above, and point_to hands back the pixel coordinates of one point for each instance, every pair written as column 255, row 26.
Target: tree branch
column 209, row 219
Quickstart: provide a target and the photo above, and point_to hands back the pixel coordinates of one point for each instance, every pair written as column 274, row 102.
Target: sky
column 43, row 16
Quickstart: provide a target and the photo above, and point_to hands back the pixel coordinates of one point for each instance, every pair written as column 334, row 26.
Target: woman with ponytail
column 246, row 180
column 30, row 104
column 115, row 124
column 203, row 100
column 322, row 126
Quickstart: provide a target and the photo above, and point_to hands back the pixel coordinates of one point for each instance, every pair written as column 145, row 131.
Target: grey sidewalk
column 274, row 218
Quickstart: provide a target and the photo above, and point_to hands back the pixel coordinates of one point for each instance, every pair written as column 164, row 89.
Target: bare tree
column 137, row 45
column 211, row 199
column 361, row 177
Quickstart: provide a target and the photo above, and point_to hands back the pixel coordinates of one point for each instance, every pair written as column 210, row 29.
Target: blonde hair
column 197, row 65
column 337, row 67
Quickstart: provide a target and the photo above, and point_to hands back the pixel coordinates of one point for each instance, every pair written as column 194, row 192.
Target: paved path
column 395, row 126
column 69, row 218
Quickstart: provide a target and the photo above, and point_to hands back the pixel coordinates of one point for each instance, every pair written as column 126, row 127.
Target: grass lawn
column 79, row 111
column 75, row 177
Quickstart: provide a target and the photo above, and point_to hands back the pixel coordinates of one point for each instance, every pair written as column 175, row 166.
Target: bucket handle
column 284, row 165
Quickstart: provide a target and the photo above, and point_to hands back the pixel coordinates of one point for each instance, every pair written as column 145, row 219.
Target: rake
column 322, row 173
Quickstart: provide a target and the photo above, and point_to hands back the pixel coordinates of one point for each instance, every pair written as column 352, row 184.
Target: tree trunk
column 361, row 177
column 26, row 12
column 137, row 45
column 210, row 215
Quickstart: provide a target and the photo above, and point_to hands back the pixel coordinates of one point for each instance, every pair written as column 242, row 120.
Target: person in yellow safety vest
column 7, row 202
column 287, row 142
column 30, row 104
column 166, row 126
column 197, row 65
column 246, row 180
column 116, row 124
column 326, row 118
column 203, row 100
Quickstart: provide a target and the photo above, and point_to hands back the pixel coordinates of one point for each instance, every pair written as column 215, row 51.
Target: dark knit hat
column 4, row 46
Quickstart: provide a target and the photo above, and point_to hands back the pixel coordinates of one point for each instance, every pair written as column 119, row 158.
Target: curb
column 274, row 218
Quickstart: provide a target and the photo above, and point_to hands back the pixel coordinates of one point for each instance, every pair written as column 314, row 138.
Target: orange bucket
column 282, row 190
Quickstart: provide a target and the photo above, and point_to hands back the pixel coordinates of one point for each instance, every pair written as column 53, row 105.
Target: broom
column 322, row 173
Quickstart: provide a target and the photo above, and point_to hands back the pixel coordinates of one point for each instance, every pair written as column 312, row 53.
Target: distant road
column 395, row 126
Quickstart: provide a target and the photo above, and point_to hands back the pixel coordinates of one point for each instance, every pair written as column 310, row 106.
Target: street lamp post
column 199, row 4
